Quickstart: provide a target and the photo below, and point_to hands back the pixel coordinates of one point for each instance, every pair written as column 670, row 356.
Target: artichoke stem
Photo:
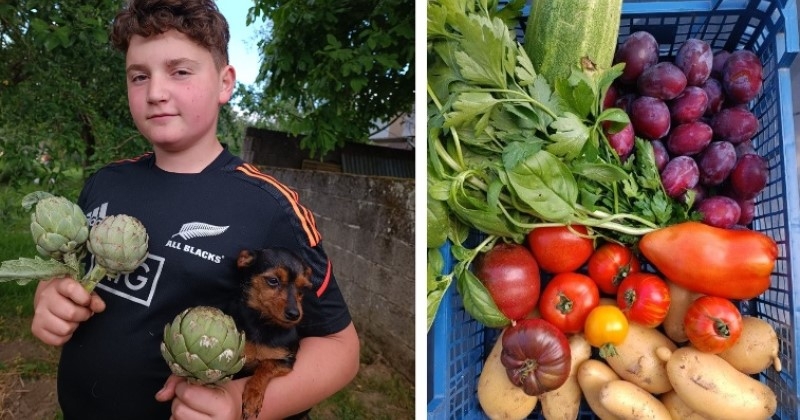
column 71, row 260
column 93, row 277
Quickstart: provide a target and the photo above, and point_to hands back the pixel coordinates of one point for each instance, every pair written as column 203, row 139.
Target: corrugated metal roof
column 377, row 166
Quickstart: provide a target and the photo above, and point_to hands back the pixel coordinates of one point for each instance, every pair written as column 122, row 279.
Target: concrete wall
column 367, row 227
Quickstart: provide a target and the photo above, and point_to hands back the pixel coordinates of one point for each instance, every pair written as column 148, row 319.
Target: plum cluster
column 694, row 111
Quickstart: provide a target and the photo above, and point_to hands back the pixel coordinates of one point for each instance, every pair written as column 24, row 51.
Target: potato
column 713, row 388
column 627, row 401
column 756, row 349
column 680, row 299
column 592, row 375
column 564, row 402
column 636, row 360
column 677, row 408
column 498, row 397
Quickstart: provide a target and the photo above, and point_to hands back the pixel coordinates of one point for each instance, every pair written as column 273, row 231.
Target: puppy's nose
column 291, row 314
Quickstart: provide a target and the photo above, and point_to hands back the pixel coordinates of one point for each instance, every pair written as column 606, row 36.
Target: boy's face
column 175, row 90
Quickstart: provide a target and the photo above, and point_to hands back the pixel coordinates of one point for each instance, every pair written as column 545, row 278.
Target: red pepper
column 729, row 263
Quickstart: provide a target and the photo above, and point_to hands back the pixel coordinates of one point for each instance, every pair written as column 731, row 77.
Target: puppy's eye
column 273, row 281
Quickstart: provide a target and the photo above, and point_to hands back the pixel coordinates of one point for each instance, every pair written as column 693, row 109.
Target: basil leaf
column 545, row 184
column 473, row 207
column 477, row 300
column 437, row 284
column 437, row 223
column 600, row 171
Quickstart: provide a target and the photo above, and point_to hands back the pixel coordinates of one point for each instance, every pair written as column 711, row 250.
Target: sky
column 242, row 50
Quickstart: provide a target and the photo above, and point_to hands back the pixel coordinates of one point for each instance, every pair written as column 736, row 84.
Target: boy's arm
column 323, row 366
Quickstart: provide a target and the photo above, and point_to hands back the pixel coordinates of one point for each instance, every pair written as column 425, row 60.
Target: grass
column 376, row 393
column 16, row 302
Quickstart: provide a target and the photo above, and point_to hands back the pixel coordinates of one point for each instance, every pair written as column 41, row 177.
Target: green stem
column 446, row 158
column 93, row 277
column 71, row 260
column 524, row 96
column 475, row 251
column 453, row 132
column 620, row 216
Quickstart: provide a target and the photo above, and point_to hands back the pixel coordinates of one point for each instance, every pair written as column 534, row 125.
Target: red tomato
column 644, row 299
column 713, row 324
column 567, row 300
column 511, row 276
column 559, row 249
column 609, row 264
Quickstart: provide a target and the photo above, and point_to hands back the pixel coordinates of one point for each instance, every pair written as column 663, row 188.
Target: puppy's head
column 275, row 279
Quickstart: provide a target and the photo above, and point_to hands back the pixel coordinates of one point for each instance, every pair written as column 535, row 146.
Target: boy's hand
column 60, row 304
column 191, row 402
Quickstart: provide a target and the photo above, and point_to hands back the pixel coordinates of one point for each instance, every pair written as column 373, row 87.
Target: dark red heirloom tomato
column 559, row 249
column 567, row 300
column 644, row 299
column 609, row 264
column 713, row 324
column 536, row 356
column 511, row 276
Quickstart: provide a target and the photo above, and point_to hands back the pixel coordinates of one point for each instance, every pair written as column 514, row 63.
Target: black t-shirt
column 112, row 368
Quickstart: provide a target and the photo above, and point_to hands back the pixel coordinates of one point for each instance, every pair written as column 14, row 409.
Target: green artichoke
column 59, row 229
column 203, row 344
column 119, row 245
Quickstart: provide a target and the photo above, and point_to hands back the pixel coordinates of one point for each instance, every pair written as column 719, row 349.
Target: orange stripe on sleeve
column 306, row 218
column 325, row 281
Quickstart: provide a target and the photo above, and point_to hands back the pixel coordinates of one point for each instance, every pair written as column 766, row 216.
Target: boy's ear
column 245, row 259
column 227, row 81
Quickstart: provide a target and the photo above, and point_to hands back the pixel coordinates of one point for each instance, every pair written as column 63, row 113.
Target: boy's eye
column 138, row 78
column 181, row 72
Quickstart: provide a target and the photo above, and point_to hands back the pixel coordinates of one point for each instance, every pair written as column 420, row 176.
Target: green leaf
column 518, row 151
column 600, row 171
column 439, row 190
column 545, row 184
column 570, row 136
column 469, row 106
column 477, row 300
column 473, row 208
column 524, row 71
column 25, row 270
column 618, row 118
column 30, row 199
column 482, row 51
column 437, row 223
column 577, row 91
column 437, row 283
column 645, row 165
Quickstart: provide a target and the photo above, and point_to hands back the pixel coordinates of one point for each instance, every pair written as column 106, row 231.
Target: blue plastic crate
column 458, row 345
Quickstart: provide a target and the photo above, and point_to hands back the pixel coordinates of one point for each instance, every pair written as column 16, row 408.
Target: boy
column 200, row 205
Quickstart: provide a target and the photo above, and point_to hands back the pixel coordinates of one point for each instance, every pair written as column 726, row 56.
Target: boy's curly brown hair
column 200, row 20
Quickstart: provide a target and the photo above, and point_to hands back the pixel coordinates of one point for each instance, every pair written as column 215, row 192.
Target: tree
column 331, row 70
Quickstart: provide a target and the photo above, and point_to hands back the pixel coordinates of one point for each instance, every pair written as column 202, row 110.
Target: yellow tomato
column 605, row 327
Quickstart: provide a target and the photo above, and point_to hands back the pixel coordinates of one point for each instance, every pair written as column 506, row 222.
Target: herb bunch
column 508, row 151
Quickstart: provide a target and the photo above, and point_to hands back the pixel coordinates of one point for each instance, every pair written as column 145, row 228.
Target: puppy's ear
column 245, row 259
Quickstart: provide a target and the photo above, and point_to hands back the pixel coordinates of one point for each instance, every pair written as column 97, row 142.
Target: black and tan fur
column 274, row 280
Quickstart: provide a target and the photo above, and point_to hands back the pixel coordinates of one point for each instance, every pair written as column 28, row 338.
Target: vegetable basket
column 458, row 345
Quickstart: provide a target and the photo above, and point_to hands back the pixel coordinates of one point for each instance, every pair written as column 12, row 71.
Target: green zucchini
column 560, row 33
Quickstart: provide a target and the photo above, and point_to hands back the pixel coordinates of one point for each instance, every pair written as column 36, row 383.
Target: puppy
column 274, row 280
